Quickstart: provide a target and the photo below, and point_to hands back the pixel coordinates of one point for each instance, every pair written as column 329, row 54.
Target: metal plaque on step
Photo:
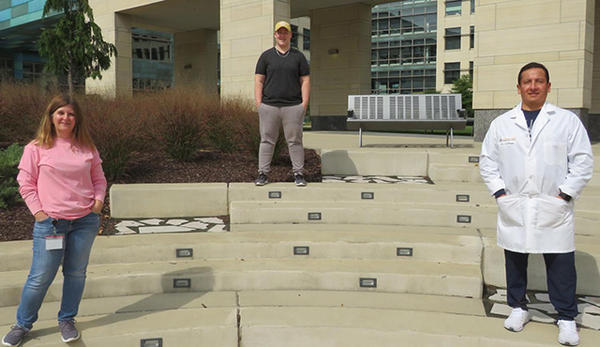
column 368, row 282
column 367, row 195
column 301, row 250
column 314, row 215
column 154, row 342
column 404, row 252
column 182, row 283
column 275, row 195
column 473, row 159
column 463, row 219
column 184, row 252
column 463, row 198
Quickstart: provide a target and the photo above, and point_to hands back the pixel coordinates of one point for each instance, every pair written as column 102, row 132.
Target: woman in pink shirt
column 62, row 182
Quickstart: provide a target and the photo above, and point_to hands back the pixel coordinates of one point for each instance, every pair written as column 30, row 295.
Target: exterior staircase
column 330, row 264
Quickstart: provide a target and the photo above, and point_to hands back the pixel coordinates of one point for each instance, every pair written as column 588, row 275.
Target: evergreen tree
column 75, row 45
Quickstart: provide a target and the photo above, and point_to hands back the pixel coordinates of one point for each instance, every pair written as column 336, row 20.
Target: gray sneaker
column 15, row 336
column 68, row 332
column 299, row 180
column 261, row 180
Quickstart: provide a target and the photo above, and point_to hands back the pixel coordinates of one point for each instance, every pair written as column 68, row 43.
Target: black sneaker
column 15, row 336
column 299, row 179
column 261, row 180
column 68, row 332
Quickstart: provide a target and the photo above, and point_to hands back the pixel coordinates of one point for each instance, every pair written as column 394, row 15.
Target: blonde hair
column 46, row 133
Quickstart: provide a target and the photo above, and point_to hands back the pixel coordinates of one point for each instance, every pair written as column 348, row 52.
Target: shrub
column 223, row 127
column 21, row 107
column 9, row 188
column 182, row 134
column 115, row 126
column 176, row 122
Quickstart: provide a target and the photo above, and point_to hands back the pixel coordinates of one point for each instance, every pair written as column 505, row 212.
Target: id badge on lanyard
column 55, row 241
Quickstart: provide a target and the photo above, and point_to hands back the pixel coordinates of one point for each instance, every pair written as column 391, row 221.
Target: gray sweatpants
column 271, row 117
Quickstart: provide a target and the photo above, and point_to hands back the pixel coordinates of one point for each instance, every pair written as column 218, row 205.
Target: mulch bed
column 208, row 166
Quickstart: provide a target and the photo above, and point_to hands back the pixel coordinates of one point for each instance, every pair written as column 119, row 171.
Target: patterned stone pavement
column 542, row 311
column 173, row 225
column 375, row 179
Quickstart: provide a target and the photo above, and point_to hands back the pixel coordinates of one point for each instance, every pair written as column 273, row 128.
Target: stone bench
column 406, row 112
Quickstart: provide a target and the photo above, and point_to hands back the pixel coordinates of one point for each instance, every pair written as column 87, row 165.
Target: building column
column 246, row 31
column 117, row 80
column 340, row 59
column 196, row 59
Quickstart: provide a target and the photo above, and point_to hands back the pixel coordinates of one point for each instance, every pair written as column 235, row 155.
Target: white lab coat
column 532, row 167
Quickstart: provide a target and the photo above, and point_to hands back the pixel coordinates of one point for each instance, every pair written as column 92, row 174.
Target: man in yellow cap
column 281, row 91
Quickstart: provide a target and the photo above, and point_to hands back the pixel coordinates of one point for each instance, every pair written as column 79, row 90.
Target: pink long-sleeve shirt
column 63, row 181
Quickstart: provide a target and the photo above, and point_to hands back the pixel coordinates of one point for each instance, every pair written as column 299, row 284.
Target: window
column 453, row 7
column 471, row 70
column 410, row 81
column 405, row 52
column 451, row 72
column 148, row 84
column 403, row 47
column 6, row 69
column 294, row 40
column 150, row 47
column 32, row 71
column 472, row 6
column 421, row 19
column 472, row 37
column 306, row 41
column 452, row 38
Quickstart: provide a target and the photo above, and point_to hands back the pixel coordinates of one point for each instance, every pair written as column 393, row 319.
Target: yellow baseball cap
column 283, row 24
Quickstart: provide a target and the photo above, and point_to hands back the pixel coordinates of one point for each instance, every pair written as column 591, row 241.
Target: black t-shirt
column 282, row 76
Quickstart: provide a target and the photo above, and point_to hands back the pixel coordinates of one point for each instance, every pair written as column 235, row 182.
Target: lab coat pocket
column 555, row 153
column 552, row 211
column 510, row 210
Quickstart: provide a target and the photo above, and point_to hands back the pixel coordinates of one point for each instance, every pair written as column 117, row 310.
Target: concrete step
column 168, row 200
column 368, row 161
column 587, row 263
column 368, row 212
column 306, row 326
column 124, row 321
column 439, row 172
column 457, row 156
column 398, row 276
column 385, row 301
column 261, row 298
column 291, row 318
column 359, row 192
column 362, row 228
column 182, row 327
column 340, row 244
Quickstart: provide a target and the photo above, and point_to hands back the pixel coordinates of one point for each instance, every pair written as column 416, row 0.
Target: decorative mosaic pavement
column 375, row 179
column 170, row 225
column 542, row 311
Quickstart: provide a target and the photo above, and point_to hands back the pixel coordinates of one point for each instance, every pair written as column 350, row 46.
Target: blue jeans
column 79, row 237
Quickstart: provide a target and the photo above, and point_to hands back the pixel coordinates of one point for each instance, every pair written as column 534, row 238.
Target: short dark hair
column 533, row 65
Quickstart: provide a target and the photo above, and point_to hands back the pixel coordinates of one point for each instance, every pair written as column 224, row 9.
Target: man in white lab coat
column 535, row 160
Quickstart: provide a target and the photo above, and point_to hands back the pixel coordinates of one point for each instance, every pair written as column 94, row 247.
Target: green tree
column 464, row 86
column 75, row 44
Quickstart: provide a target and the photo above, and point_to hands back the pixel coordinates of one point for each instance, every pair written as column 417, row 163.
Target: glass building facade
column 20, row 26
column 403, row 47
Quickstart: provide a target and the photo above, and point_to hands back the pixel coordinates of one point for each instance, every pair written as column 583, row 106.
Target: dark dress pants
column 560, row 274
